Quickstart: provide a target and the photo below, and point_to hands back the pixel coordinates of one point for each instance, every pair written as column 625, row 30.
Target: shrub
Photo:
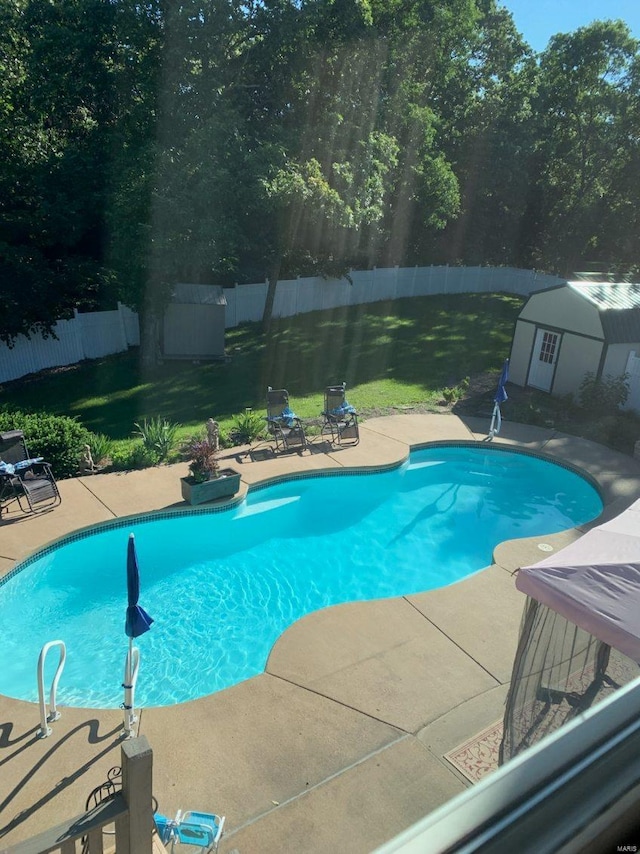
column 247, row 426
column 626, row 433
column 529, row 413
column 619, row 431
column 603, row 396
column 101, row 447
column 134, row 456
column 57, row 438
column 158, row 437
column 452, row 394
column 225, row 439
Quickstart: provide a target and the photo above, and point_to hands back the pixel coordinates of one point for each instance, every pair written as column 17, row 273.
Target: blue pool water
column 223, row 586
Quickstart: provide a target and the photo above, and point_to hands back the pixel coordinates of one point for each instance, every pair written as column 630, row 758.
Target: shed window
column 548, row 347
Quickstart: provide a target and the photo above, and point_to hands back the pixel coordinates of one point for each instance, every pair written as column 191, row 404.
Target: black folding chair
column 25, row 480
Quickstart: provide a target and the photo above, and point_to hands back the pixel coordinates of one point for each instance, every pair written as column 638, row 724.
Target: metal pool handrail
column 54, row 714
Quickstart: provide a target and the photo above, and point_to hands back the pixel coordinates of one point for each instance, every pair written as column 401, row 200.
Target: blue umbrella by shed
column 137, row 622
column 500, row 397
column 501, row 393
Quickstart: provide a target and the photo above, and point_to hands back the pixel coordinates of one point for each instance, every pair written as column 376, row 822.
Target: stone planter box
column 224, row 486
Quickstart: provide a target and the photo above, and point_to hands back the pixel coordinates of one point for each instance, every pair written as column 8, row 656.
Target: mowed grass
column 392, row 353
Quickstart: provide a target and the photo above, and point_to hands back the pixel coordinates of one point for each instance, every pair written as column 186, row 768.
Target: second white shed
column 194, row 323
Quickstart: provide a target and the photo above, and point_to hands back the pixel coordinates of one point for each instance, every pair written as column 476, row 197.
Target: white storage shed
column 565, row 331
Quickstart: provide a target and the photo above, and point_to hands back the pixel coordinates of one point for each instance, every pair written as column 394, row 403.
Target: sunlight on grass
column 94, row 402
column 390, row 323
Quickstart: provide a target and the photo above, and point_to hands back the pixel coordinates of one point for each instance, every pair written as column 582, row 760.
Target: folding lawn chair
column 283, row 425
column 25, row 479
column 340, row 418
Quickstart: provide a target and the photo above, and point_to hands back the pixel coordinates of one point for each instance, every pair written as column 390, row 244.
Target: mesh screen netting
column 559, row 671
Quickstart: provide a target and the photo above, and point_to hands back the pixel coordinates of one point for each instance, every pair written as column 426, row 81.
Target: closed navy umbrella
column 500, row 397
column 137, row 622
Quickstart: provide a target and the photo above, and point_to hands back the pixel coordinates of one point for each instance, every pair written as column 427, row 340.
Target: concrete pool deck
column 340, row 744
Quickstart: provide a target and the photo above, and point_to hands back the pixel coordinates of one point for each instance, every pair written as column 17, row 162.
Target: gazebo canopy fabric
column 595, row 582
column 580, row 634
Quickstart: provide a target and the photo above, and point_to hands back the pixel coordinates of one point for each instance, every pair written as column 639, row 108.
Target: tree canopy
column 219, row 141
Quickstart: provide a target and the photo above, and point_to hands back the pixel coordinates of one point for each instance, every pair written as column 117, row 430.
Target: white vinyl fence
column 298, row 296
column 100, row 333
column 85, row 336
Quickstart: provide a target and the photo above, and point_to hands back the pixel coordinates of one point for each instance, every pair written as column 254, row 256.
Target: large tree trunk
column 274, row 275
column 150, row 351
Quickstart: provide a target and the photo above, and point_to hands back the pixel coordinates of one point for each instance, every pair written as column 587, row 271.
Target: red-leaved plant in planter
column 203, row 460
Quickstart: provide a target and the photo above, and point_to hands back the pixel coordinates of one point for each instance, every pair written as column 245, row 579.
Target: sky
column 538, row 20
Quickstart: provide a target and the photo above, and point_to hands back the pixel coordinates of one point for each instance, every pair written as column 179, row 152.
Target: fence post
column 133, row 833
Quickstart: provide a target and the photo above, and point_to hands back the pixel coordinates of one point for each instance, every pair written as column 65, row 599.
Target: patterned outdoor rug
column 478, row 755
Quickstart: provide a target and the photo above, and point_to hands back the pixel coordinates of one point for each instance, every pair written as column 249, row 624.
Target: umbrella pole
column 496, row 421
column 129, row 685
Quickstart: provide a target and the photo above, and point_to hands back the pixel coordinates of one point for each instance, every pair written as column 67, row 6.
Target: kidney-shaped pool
column 222, row 586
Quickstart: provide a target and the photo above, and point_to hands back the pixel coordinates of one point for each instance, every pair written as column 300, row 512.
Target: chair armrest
column 34, row 470
column 220, row 826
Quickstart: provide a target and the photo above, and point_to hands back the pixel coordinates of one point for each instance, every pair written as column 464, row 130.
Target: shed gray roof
column 618, row 305
column 621, row 327
column 189, row 294
column 607, row 295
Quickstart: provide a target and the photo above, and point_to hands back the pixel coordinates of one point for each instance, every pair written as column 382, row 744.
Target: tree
column 301, row 199
column 177, row 197
column 587, row 141
column 491, row 152
column 70, row 98
column 362, row 122
column 219, row 140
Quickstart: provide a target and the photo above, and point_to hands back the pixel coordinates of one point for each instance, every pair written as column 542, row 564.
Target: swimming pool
column 222, row 586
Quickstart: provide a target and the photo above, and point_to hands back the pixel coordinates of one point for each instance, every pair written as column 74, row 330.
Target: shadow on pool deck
column 339, row 745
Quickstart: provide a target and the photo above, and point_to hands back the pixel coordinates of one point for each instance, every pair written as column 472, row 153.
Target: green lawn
column 392, row 353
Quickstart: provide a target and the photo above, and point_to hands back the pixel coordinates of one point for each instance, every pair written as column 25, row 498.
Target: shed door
column 543, row 359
